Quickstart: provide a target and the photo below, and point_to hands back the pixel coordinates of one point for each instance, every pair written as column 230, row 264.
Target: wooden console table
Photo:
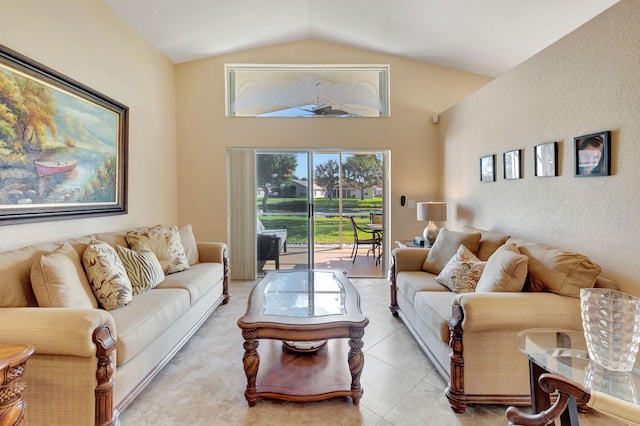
column 13, row 360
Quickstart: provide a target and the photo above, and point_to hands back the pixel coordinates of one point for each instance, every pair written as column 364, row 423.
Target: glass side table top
column 564, row 352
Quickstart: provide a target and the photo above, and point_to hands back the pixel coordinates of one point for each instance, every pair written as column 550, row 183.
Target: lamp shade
column 433, row 211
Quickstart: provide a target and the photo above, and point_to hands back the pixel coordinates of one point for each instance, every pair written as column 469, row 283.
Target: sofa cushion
column 434, row 308
column 59, row 281
column 142, row 266
column 445, row 247
column 107, row 275
column 506, row 270
column 189, row 244
column 559, row 271
column 165, row 243
column 15, row 270
column 462, row 271
column 490, row 241
column 144, row 319
column 197, row 280
column 411, row 282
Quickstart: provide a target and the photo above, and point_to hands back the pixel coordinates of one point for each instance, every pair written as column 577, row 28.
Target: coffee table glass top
column 564, row 352
column 303, row 294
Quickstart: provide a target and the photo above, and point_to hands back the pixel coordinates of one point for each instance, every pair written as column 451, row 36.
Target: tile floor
column 204, row 383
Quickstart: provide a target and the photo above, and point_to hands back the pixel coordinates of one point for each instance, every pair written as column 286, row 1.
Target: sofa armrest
column 409, row 259
column 212, row 252
column 56, row 331
column 517, row 311
column 217, row 253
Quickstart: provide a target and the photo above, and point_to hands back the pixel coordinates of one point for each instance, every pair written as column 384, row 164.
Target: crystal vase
column 611, row 322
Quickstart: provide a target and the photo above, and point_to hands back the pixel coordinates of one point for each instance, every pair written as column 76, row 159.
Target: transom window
column 307, row 90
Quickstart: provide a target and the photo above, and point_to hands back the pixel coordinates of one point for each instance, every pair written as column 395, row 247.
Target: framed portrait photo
column 487, row 168
column 512, row 164
column 593, row 154
column 545, row 157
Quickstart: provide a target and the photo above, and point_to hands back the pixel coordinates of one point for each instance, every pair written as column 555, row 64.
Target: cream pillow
column 189, row 244
column 462, row 272
column 489, row 241
column 142, row 266
column 58, row 280
column 559, row 271
column 165, row 244
column 506, row 270
column 107, row 275
column 445, row 247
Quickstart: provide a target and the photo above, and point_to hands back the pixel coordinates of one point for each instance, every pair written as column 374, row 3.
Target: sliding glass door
column 283, row 209
column 322, row 210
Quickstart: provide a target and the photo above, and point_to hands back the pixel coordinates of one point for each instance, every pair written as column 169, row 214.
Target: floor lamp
column 432, row 211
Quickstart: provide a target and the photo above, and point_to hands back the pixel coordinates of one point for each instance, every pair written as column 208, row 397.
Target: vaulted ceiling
column 486, row 37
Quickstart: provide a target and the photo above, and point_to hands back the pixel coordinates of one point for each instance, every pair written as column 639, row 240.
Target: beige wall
column 587, row 82
column 88, row 42
column 204, row 133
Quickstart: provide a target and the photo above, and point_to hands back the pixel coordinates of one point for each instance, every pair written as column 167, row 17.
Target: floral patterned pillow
column 165, row 243
column 462, row 272
column 107, row 275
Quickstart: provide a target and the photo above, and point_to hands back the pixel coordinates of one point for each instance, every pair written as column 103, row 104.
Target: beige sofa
column 471, row 336
column 90, row 363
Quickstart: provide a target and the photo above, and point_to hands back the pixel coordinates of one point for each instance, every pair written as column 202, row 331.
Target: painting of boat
column 46, row 168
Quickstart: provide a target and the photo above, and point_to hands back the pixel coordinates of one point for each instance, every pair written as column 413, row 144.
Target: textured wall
column 88, row 42
column 204, row 133
column 587, row 82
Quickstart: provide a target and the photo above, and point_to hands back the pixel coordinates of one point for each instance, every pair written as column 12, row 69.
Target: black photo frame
column 545, row 159
column 593, row 154
column 512, row 162
column 64, row 151
column 487, row 168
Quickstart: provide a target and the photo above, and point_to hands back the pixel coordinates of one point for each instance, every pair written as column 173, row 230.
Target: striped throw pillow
column 142, row 266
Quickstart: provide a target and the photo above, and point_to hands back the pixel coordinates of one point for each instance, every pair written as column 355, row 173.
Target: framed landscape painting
column 63, row 146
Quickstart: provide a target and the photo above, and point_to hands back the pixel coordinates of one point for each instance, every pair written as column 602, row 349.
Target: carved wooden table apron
column 13, row 359
column 303, row 309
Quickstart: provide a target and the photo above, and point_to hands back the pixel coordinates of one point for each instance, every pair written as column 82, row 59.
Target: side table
column 13, row 360
column 560, row 357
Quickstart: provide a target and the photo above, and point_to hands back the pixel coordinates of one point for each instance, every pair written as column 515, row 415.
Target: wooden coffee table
column 303, row 308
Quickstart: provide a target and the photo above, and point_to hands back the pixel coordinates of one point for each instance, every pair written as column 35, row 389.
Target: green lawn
column 326, row 228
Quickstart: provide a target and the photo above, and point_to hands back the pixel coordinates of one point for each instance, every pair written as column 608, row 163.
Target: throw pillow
column 189, row 244
column 559, row 271
column 445, row 247
column 489, row 241
column 107, row 275
column 142, row 266
column 58, row 280
column 506, row 270
column 165, row 244
column 462, row 272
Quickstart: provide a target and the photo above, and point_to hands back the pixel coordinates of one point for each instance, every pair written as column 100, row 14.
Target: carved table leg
column 356, row 363
column 13, row 359
column 251, row 362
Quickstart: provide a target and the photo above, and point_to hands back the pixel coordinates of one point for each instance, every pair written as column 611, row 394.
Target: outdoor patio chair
column 375, row 241
column 268, row 248
column 281, row 233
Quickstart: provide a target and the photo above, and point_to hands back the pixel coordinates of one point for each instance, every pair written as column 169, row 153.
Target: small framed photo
column 487, row 168
column 545, row 157
column 512, row 164
column 593, row 154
